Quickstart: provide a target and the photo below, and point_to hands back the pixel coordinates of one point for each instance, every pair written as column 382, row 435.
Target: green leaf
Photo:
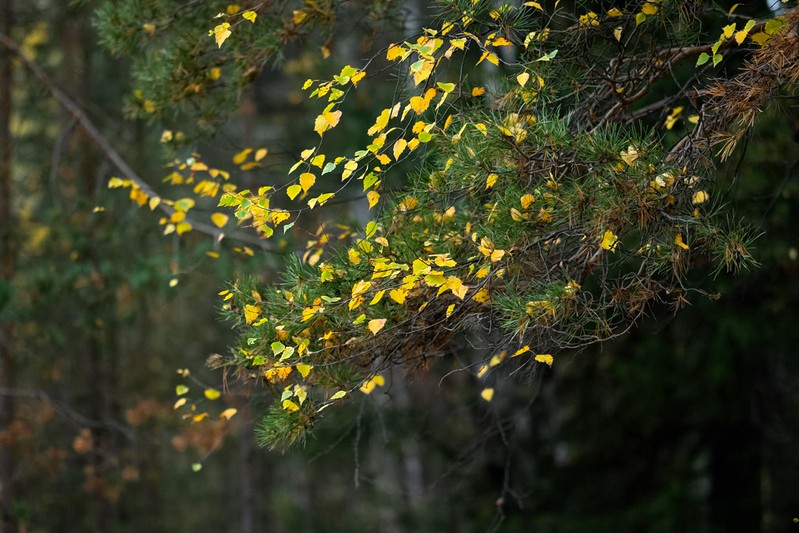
column 703, row 58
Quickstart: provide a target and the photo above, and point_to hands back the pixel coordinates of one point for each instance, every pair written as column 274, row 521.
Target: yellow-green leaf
column 212, row 394
column 487, row 394
column 219, row 219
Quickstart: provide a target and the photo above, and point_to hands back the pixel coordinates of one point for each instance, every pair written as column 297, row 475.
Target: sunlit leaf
column 229, row 413
column 376, row 325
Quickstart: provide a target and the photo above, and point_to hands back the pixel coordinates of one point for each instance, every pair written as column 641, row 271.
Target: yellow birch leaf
column 615, row 12
column 482, row 296
column 229, row 413
column 649, row 8
column 240, row 157
column 290, row 406
column 298, row 16
column 487, row 394
column 728, row 30
column 183, row 227
column 180, row 403
column 378, row 296
column 212, row 394
column 293, row 191
column 340, row 394
column 609, row 241
column 545, row 358
column 221, row 33
column 219, row 219
column 304, row 370
column 399, row 147
column 376, row 325
column 251, row 312
column 318, row 161
column 523, row 78
column 307, row 181
column 154, row 202
column 490, row 56
column 630, row 155
column 526, row 200
column 372, row 197
column 419, row 104
column 395, row 52
column 327, row 120
column 497, row 359
column 700, row 197
column 457, row 287
column 523, row 349
column 398, row 295
column 679, row 242
column 478, row 91
column 497, row 255
column 491, row 180
column 249, row 15
column 380, row 122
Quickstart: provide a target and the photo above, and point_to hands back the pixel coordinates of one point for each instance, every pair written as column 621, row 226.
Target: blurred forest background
column 689, row 423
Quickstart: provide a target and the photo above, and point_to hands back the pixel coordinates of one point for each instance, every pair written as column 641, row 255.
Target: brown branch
column 119, row 162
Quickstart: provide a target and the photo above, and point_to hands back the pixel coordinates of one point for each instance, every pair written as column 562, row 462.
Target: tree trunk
column 7, row 266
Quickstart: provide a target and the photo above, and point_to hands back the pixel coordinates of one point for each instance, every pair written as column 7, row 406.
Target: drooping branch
column 732, row 105
column 118, row 161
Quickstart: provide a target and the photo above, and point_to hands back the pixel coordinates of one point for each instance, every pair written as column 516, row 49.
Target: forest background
column 688, row 422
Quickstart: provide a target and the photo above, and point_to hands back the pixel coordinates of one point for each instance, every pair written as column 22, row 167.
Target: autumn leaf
column 545, row 358
column 700, row 197
column 630, row 155
column 340, row 394
column 219, row 219
column 307, row 181
column 251, row 312
column 293, row 191
column 212, row 394
column 221, row 33
column 398, row 295
column 487, row 394
column 609, row 241
column 229, row 413
column 376, row 325
column 327, row 120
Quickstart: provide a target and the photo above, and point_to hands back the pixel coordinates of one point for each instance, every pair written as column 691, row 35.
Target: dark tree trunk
column 7, row 267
